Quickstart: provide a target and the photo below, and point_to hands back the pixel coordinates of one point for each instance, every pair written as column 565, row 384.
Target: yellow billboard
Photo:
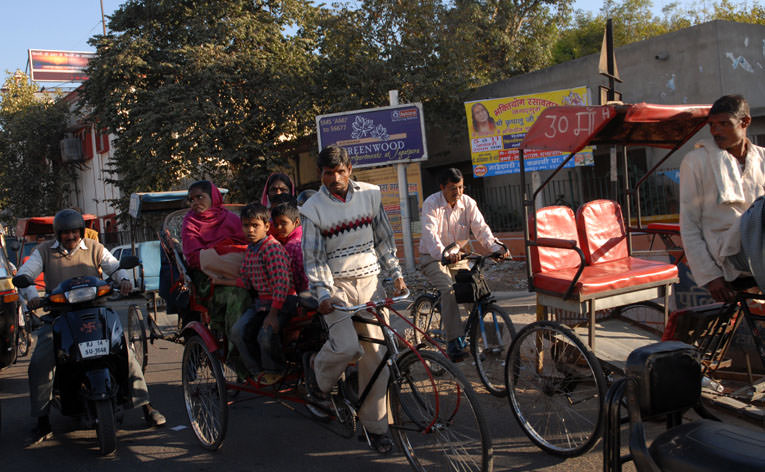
column 497, row 126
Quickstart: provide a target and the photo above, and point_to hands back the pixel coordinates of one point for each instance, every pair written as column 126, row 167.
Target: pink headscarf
column 276, row 176
column 212, row 228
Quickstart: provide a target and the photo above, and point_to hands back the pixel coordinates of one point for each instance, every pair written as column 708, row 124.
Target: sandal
column 381, row 443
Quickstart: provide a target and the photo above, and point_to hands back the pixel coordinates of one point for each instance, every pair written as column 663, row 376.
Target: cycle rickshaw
column 584, row 270
column 435, row 416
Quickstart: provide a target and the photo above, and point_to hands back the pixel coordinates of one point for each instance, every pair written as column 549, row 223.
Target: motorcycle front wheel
column 106, row 429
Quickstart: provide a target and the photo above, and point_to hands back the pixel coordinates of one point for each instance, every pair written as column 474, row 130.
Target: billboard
column 376, row 136
column 387, row 179
column 497, row 126
column 58, row 66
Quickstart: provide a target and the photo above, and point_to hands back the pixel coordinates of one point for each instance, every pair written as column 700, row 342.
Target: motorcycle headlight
column 82, row 294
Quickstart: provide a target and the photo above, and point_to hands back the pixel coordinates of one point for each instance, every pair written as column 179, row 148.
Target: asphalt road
column 262, row 434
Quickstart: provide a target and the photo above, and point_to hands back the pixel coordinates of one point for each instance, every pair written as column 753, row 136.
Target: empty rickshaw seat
column 598, row 230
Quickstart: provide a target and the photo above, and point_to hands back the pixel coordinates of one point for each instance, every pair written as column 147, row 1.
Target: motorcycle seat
column 707, row 445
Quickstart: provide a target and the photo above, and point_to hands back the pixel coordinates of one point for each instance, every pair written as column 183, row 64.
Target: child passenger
column 266, row 269
column 285, row 218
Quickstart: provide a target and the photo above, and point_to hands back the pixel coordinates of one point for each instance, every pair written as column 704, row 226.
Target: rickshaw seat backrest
column 602, row 234
column 555, row 222
column 668, row 377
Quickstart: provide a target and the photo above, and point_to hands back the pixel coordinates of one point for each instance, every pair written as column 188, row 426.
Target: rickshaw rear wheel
column 556, row 388
column 204, row 392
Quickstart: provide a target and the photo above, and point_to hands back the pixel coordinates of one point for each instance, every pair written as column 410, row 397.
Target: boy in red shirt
column 265, row 269
column 285, row 218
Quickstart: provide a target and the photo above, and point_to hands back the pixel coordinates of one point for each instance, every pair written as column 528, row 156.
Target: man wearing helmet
column 71, row 254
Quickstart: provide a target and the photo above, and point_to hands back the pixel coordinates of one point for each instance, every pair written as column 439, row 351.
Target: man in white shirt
column 450, row 216
column 718, row 182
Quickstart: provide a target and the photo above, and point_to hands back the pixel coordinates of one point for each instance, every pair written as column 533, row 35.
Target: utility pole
column 103, row 23
column 403, row 200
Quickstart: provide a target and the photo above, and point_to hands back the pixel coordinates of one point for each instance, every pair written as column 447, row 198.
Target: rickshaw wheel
column 137, row 336
column 204, row 392
column 556, row 388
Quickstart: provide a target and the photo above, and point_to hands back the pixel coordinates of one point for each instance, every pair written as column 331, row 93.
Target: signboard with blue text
column 497, row 126
column 376, row 136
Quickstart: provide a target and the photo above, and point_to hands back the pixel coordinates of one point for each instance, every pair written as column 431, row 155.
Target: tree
column 432, row 51
column 203, row 88
column 33, row 180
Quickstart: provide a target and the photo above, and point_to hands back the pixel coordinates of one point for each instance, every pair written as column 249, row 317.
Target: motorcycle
column 91, row 380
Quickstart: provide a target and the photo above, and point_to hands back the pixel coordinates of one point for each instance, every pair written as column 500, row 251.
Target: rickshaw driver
column 56, row 259
column 718, row 182
column 449, row 216
column 347, row 239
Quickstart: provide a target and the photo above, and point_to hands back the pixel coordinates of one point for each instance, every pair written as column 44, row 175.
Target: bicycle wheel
column 426, row 315
column 556, row 388
column 437, row 420
column 137, row 336
column 204, row 391
column 23, row 338
column 491, row 334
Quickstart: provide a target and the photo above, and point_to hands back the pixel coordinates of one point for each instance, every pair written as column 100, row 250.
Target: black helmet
column 304, row 196
column 67, row 220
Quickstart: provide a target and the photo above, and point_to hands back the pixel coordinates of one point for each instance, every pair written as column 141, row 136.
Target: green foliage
column 198, row 89
column 33, row 181
column 432, row 51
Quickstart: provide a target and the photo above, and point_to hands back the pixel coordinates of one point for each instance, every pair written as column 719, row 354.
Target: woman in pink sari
column 214, row 245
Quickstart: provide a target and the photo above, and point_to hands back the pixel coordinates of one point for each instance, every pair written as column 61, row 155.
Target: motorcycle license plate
column 99, row 347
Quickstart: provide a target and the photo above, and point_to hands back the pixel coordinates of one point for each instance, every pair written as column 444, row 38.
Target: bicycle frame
column 392, row 352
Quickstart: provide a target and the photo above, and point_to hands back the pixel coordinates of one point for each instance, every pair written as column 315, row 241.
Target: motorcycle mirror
column 22, row 281
column 128, row 262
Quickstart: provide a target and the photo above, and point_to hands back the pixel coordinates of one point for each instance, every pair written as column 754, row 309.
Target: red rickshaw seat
column 554, row 222
column 599, row 230
column 606, row 276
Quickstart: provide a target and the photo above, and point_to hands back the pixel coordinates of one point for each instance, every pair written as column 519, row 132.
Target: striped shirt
column 320, row 279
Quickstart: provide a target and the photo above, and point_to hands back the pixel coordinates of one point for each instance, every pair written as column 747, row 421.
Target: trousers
column 343, row 347
column 442, row 278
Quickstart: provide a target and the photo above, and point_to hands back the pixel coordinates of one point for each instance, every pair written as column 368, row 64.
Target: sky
column 57, row 25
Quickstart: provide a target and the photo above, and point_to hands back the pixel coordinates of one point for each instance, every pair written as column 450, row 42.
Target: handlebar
column 373, row 303
column 477, row 257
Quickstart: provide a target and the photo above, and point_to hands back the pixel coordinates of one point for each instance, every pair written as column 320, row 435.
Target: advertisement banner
column 58, row 66
column 387, row 179
column 497, row 126
column 376, row 136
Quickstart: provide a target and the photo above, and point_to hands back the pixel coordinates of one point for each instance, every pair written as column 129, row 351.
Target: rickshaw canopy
column 42, row 225
column 571, row 128
column 142, row 202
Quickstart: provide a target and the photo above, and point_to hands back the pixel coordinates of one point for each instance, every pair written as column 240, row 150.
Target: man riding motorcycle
column 71, row 255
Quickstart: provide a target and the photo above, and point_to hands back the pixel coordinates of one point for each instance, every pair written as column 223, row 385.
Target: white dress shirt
column 443, row 224
column 34, row 267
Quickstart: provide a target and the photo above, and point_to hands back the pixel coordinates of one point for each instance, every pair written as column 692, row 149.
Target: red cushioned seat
column 607, row 276
column 554, row 222
column 599, row 229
